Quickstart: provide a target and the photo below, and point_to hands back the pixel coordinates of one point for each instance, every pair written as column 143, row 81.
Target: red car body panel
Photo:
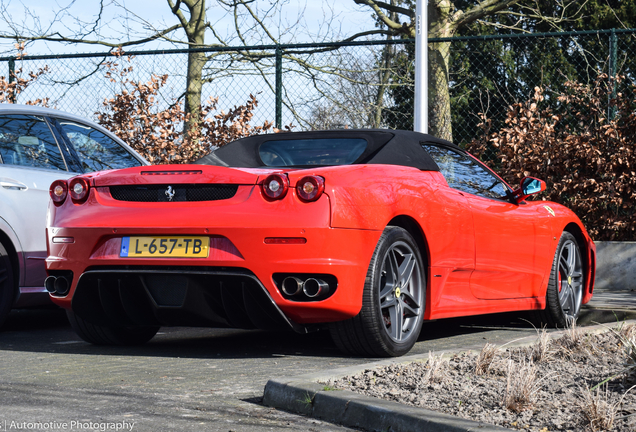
column 470, row 269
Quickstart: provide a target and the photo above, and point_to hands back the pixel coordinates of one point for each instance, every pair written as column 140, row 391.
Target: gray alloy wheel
column 393, row 300
column 7, row 284
column 565, row 287
column 107, row 335
column 570, row 279
column 401, row 292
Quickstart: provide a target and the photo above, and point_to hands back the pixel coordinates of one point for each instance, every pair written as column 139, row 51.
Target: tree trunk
column 439, row 106
column 195, row 30
column 384, row 77
column 194, row 85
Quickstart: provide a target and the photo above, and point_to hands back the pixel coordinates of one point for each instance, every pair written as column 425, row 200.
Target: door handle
column 12, row 184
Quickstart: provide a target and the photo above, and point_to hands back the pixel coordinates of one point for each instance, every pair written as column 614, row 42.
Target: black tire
column 564, row 295
column 7, row 284
column 106, row 335
column 394, row 291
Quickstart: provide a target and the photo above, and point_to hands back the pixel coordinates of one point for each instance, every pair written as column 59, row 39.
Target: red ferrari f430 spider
column 367, row 233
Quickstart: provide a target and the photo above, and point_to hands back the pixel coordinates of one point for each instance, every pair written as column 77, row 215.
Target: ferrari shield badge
column 549, row 209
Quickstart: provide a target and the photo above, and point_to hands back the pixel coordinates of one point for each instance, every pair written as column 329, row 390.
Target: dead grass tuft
column 572, row 337
column 521, row 386
column 598, row 411
column 573, row 332
column 541, row 348
column 485, row 358
column 436, row 368
column 626, row 331
column 627, row 338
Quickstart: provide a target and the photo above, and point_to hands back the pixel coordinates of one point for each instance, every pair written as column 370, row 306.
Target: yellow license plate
column 165, row 246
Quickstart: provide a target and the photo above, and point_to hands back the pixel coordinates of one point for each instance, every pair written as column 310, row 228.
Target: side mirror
column 529, row 186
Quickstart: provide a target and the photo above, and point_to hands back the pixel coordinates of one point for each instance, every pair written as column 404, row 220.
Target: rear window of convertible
column 310, row 152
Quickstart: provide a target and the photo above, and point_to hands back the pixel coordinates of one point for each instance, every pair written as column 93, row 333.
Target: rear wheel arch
column 413, row 228
column 8, row 280
column 13, row 256
column 393, row 302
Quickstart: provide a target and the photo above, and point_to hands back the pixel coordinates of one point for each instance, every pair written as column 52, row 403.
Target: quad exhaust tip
column 312, row 288
column 292, row 286
column 58, row 285
column 315, row 287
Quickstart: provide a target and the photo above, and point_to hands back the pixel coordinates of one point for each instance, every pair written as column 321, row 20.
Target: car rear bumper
column 235, row 286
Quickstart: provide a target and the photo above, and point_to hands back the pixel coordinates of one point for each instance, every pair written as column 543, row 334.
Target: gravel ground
column 544, row 387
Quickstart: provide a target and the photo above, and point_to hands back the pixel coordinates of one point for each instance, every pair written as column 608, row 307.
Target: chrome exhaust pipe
column 61, row 286
column 49, row 284
column 291, row 286
column 315, row 287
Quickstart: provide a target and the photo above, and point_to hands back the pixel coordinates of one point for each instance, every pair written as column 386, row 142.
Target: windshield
column 302, row 152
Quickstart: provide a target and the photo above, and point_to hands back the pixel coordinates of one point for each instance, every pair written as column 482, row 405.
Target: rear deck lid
column 180, row 174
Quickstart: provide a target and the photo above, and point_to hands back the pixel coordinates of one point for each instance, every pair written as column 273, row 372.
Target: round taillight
column 310, row 188
column 275, row 186
column 78, row 189
column 58, row 191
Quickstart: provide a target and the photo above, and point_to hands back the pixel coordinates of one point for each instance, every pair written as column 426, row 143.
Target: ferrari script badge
column 170, row 193
column 549, row 209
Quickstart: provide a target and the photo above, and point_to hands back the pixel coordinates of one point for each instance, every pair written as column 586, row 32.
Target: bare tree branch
column 380, row 13
column 483, row 9
column 387, row 6
column 57, row 37
column 178, row 13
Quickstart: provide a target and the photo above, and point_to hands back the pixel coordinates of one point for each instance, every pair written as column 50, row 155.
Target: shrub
column 580, row 146
column 157, row 132
column 11, row 88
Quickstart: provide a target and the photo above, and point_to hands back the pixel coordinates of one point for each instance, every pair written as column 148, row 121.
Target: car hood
column 160, row 174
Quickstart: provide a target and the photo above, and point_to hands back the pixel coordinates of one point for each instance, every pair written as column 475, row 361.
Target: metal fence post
column 612, row 71
column 279, row 87
column 12, row 77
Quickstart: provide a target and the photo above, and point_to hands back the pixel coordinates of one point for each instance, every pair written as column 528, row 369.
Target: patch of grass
column 329, row 388
column 307, row 400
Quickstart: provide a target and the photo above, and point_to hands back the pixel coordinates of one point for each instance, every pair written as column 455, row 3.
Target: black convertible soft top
column 384, row 146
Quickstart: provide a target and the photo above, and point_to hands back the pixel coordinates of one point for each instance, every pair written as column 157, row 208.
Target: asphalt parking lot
column 185, row 379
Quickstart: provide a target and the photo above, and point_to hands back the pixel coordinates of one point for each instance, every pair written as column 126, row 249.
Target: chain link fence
column 349, row 85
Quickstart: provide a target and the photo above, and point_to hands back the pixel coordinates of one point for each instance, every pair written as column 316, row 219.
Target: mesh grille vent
column 178, row 192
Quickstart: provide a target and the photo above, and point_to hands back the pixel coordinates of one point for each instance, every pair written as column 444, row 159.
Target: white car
column 38, row 146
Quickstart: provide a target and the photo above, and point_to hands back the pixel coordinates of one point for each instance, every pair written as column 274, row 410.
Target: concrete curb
column 354, row 410
column 304, row 395
column 604, row 314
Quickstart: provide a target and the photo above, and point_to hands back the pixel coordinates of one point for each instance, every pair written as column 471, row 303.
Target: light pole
column 420, row 123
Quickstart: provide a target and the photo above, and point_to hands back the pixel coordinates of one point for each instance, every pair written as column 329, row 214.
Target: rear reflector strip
column 63, row 240
column 171, row 172
column 285, row 240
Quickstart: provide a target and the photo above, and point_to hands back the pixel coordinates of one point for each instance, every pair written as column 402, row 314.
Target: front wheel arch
column 559, row 289
column 577, row 232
